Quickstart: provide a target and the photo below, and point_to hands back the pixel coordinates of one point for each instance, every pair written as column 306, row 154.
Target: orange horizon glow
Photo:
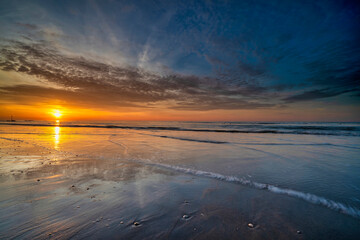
column 74, row 113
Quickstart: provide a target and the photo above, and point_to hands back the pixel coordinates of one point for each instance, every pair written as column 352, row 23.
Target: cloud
column 92, row 83
column 28, row 26
column 23, row 93
column 317, row 94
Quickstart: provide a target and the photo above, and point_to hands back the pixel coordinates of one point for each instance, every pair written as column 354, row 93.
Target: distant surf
column 332, row 129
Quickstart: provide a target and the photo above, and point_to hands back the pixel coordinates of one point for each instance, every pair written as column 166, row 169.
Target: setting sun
column 57, row 113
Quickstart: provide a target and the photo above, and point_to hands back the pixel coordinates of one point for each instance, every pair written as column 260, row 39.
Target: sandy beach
column 77, row 183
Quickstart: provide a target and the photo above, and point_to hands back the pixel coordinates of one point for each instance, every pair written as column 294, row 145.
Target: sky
column 244, row 60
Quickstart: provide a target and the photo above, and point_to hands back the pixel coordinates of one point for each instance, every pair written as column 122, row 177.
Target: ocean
column 289, row 179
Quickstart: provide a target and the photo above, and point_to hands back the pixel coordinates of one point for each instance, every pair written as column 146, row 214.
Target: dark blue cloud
column 317, row 94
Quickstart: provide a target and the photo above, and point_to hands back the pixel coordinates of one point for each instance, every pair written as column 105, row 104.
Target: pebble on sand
column 298, row 232
column 251, row 225
column 121, row 222
column 185, row 216
column 38, row 180
column 136, row 223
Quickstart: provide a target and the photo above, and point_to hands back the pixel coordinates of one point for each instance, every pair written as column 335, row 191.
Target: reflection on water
column 56, row 135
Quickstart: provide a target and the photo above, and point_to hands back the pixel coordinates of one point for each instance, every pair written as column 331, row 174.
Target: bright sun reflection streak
column 56, row 137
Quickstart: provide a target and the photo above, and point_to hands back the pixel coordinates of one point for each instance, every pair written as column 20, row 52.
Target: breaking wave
column 308, row 197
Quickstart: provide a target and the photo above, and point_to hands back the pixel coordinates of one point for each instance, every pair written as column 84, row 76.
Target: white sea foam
column 308, row 197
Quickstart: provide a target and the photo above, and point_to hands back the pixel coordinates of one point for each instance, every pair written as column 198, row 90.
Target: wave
column 251, row 144
column 299, row 144
column 192, row 140
column 296, row 127
column 302, row 130
column 308, row 197
column 187, row 139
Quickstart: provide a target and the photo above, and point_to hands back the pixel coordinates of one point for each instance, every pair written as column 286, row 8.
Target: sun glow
column 57, row 113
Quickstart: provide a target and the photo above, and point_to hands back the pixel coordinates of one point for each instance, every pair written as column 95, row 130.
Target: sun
column 57, row 113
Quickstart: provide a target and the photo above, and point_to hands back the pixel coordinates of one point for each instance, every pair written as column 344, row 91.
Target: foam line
column 185, row 139
column 308, row 197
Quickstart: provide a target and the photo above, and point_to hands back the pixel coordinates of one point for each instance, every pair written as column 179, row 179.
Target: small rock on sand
column 185, row 216
column 121, row 222
column 38, row 180
column 251, row 225
column 298, row 232
column 136, row 223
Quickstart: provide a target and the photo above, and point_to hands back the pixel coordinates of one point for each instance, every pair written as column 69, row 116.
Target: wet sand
column 59, row 193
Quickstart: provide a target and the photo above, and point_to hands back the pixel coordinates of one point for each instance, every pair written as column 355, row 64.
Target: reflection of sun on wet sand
column 56, row 137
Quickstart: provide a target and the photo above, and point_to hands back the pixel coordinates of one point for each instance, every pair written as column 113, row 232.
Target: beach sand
column 62, row 190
